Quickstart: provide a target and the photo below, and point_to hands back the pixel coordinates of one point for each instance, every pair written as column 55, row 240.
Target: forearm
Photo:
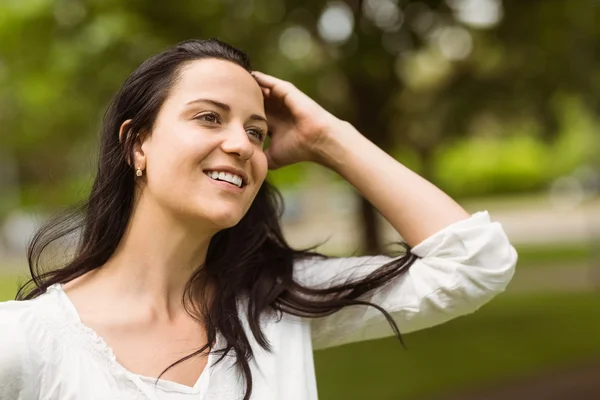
column 414, row 207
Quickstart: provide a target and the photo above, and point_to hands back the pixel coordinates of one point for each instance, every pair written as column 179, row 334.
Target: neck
column 154, row 260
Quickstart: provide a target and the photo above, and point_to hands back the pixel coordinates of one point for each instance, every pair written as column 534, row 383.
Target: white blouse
column 47, row 353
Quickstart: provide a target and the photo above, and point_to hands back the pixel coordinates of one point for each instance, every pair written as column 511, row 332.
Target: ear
column 124, row 130
column 139, row 157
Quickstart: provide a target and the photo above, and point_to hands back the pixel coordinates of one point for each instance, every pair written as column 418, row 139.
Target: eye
column 257, row 133
column 208, row 117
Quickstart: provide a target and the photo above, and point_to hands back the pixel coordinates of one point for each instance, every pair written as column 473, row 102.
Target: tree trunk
column 371, row 236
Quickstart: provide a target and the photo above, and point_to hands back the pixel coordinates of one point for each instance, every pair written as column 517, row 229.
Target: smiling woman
column 183, row 285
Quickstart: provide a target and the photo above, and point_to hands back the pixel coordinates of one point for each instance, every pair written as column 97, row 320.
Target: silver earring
column 138, row 172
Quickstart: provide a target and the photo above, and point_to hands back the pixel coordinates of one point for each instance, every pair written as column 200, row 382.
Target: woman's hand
column 303, row 131
column 297, row 124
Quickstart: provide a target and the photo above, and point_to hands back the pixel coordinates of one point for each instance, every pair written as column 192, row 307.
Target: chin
column 225, row 219
column 226, row 223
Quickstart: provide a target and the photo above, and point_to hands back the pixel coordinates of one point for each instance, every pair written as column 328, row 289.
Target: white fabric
column 47, row 353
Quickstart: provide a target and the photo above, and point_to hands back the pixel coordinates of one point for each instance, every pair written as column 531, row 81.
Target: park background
column 496, row 102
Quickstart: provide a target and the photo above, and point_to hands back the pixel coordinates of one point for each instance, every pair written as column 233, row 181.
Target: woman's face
column 210, row 130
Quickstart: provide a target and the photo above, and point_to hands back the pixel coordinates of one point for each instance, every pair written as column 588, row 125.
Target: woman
column 183, row 286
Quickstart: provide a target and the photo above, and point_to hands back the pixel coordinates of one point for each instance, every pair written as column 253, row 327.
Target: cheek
column 167, row 164
column 182, row 147
column 260, row 166
column 174, row 165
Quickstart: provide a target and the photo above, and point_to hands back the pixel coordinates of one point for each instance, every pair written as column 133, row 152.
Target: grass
column 510, row 337
column 569, row 252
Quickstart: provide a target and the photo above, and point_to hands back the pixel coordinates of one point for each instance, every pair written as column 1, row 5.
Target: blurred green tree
column 413, row 76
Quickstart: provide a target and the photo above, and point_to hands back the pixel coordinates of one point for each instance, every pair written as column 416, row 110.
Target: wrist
column 331, row 148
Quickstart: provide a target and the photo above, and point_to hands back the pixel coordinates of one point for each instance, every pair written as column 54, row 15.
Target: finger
column 265, row 79
column 266, row 91
column 278, row 87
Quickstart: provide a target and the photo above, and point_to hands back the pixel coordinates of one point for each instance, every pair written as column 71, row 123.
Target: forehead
column 218, row 80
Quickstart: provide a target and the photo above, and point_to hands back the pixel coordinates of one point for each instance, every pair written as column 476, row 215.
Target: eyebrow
column 225, row 107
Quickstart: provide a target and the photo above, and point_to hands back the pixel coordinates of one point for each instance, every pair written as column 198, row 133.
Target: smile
column 230, row 178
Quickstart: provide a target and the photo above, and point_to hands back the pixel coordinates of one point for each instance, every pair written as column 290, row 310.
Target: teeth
column 225, row 176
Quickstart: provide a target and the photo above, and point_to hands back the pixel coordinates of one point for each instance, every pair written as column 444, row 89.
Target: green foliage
column 578, row 142
column 489, row 165
column 62, row 60
column 9, row 284
column 290, row 176
column 519, row 160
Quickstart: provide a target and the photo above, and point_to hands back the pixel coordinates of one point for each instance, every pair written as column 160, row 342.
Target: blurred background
column 496, row 102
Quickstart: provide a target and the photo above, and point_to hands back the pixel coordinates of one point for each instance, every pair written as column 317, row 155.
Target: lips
column 226, row 186
column 226, row 169
column 233, row 179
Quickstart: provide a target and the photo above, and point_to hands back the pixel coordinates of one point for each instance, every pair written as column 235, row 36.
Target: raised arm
column 458, row 269
column 463, row 260
column 416, row 208
column 302, row 130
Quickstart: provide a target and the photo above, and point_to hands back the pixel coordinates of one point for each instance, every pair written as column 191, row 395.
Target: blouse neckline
column 98, row 346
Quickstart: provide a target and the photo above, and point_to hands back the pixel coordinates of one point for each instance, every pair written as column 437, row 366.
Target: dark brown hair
column 251, row 258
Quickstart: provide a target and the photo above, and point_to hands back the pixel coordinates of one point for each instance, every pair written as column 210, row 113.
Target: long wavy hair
column 250, row 259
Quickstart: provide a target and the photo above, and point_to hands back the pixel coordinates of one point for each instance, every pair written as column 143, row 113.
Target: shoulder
column 21, row 320
column 12, row 315
column 15, row 316
column 24, row 327
column 16, row 365
column 26, row 314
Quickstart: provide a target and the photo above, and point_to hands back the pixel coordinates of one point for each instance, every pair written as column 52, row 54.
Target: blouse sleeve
column 458, row 269
column 15, row 362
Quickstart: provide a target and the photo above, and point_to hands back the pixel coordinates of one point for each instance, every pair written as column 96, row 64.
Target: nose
column 237, row 142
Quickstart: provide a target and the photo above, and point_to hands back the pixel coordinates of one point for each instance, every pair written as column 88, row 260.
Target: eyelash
column 260, row 133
